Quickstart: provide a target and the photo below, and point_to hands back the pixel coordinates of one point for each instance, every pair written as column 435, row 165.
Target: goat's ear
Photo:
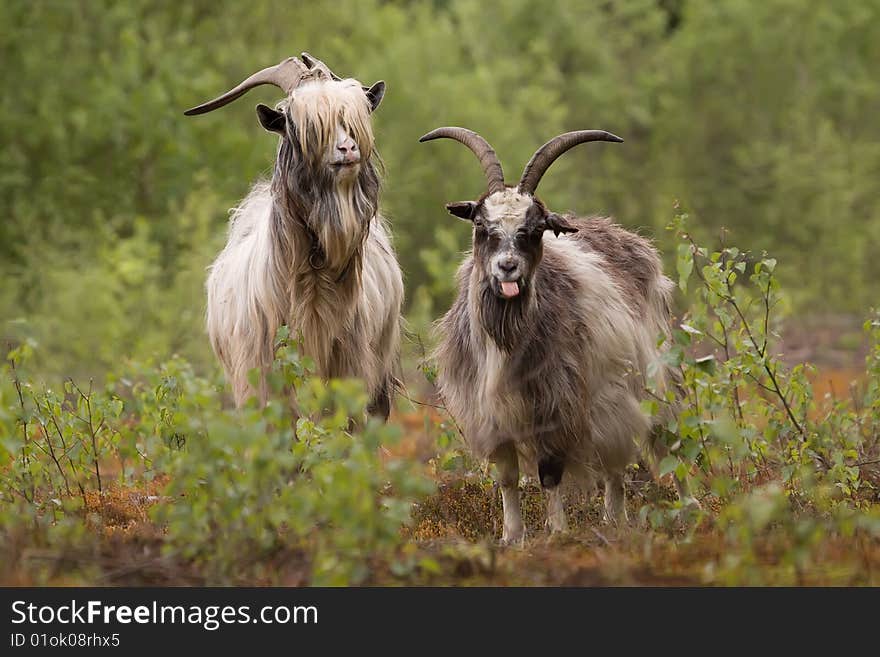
column 463, row 209
column 375, row 94
column 559, row 224
column 271, row 119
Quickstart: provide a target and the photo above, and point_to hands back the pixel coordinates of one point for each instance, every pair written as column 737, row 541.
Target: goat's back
column 631, row 260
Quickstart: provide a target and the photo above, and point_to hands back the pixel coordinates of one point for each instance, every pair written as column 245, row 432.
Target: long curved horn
column 481, row 148
column 547, row 154
column 286, row 76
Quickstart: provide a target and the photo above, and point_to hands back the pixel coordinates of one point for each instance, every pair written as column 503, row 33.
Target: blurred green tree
column 758, row 115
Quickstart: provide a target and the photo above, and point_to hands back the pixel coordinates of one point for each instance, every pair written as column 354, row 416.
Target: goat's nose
column 507, row 265
column 347, row 146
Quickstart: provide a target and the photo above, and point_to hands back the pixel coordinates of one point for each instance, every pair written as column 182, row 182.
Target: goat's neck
column 320, row 229
column 504, row 321
column 321, row 291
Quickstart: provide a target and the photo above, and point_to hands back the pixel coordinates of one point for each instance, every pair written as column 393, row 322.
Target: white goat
column 309, row 248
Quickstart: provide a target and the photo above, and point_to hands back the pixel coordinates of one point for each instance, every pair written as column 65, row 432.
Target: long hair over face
column 336, row 209
column 317, row 109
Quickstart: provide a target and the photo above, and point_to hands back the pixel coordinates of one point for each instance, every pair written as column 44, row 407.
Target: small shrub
column 750, row 430
column 246, row 488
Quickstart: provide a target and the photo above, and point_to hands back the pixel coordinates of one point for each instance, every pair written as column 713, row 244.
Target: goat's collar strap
column 318, row 257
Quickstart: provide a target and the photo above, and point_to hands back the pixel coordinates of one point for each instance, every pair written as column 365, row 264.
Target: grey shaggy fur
column 559, row 370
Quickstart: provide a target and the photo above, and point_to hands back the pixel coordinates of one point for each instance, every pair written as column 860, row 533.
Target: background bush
column 757, row 115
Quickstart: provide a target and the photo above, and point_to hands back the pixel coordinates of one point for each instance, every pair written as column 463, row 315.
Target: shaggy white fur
column 309, row 249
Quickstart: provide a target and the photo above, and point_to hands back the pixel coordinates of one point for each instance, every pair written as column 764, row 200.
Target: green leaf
column 705, row 363
column 681, row 471
column 667, row 465
column 684, row 265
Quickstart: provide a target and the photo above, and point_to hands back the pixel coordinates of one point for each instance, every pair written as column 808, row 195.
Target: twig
column 441, row 407
column 66, row 453
column 54, row 458
column 660, row 399
column 700, row 427
column 421, row 403
column 736, row 400
column 771, row 373
column 767, row 312
column 17, row 383
column 91, row 426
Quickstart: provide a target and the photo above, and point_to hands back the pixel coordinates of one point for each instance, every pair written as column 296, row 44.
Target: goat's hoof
column 617, row 521
column 556, row 526
column 514, row 538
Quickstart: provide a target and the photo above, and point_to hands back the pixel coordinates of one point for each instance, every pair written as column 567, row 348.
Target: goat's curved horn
column 480, row 147
column 547, row 154
column 316, row 64
column 286, row 76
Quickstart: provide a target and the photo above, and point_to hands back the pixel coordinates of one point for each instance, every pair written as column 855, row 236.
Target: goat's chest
column 325, row 314
column 501, row 398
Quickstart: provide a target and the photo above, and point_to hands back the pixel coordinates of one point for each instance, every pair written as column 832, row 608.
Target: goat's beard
column 335, row 207
column 345, row 174
column 503, row 319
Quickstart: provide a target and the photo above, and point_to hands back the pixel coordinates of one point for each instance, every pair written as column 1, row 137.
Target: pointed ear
column 559, row 224
column 462, row 209
column 272, row 120
column 375, row 94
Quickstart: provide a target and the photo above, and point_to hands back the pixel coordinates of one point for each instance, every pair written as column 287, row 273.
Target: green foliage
column 245, row 487
column 258, row 483
column 759, row 114
column 52, row 443
column 749, row 430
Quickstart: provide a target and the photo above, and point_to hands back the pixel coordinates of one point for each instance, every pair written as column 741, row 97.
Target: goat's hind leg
column 506, row 460
column 550, row 470
column 615, row 499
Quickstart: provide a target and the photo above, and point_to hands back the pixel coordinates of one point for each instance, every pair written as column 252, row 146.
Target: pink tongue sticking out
column 509, row 289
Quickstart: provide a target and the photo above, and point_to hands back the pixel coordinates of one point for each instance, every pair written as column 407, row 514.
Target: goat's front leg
column 615, row 499
column 506, row 460
column 550, row 471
